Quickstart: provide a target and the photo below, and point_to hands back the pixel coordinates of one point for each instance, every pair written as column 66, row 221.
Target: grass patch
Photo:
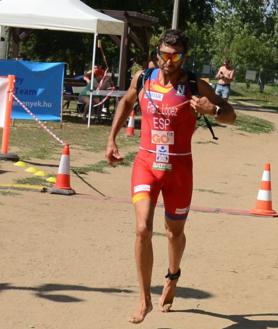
column 97, row 167
column 241, row 95
column 8, row 193
column 253, row 125
column 32, row 181
column 243, row 122
column 268, row 99
column 100, row 166
column 33, row 142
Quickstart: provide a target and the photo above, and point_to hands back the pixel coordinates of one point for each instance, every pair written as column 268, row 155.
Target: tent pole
column 121, row 59
column 92, row 78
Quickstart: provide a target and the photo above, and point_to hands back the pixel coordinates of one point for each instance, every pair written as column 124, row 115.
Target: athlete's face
column 170, row 58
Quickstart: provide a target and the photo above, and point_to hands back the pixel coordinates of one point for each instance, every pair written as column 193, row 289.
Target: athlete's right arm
column 123, row 110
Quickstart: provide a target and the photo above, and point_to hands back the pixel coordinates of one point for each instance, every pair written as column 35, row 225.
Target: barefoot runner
column 164, row 162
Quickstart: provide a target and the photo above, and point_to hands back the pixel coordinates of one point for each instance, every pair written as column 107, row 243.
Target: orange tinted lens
column 175, row 57
column 164, row 56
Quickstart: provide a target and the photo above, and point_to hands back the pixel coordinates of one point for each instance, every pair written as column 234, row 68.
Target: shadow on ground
column 33, row 163
column 183, row 292
column 4, row 171
column 48, row 290
column 240, row 320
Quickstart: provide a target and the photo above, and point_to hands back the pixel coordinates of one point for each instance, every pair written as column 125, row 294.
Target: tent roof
column 62, row 15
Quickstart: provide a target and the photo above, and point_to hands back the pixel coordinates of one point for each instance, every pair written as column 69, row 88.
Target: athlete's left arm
column 212, row 104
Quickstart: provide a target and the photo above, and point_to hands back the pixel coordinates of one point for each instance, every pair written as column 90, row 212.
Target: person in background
column 225, row 76
column 84, row 96
column 261, row 80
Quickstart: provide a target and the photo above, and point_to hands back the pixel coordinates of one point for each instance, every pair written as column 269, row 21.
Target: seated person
column 84, row 96
column 100, row 82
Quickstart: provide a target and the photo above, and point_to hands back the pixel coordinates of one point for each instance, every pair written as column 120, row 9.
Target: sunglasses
column 175, row 57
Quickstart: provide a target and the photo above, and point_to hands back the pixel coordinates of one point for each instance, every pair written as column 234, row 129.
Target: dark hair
column 153, row 55
column 174, row 38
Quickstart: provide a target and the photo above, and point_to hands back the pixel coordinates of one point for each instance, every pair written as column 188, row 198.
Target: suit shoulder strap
column 143, row 77
column 193, row 85
column 192, row 80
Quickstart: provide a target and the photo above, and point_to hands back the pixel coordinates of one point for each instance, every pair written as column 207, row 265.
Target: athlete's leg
column 144, row 210
column 176, row 243
column 145, row 190
column 176, row 246
column 177, row 198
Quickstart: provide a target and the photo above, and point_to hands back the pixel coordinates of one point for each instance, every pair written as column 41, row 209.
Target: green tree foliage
column 199, row 46
column 76, row 48
column 71, row 48
column 245, row 31
column 190, row 11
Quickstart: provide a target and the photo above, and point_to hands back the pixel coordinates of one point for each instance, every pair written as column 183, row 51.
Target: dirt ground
column 67, row 262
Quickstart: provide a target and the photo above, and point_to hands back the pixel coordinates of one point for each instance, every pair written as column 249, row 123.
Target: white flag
column 4, row 84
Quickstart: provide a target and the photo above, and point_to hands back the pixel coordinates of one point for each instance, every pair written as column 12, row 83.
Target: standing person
column 164, row 161
column 261, row 80
column 225, row 76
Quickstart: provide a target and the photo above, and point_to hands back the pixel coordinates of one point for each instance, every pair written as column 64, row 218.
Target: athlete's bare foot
column 168, row 294
column 143, row 310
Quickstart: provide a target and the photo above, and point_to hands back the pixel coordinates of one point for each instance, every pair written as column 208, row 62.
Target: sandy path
column 67, row 262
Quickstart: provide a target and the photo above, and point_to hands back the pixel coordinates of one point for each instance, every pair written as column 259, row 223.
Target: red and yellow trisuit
column 164, row 161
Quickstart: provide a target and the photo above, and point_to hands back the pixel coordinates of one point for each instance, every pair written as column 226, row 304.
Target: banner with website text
column 39, row 86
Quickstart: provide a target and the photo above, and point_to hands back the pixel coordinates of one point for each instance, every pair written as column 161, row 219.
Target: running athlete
column 164, row 162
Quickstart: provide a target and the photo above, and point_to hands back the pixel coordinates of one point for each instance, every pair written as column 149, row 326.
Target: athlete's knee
column 174, row 229
column 174, row 234
column 144, row 231
column 144, row 219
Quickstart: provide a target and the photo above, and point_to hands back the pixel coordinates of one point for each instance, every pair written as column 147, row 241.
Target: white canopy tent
column 61, row 15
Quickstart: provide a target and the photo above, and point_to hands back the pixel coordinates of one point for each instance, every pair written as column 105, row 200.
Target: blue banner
column 39, row 86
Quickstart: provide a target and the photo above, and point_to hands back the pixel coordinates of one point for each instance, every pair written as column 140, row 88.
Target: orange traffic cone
column 130, row 125
column 62, row 185
column 264, row 201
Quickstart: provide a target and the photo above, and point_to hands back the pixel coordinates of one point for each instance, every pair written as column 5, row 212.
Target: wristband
column 217, row 111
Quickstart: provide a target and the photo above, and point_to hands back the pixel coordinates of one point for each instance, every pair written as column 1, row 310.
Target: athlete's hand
column 112, row 154
column 202, row 105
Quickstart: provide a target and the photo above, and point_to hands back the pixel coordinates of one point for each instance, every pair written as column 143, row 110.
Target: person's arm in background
column 228, row 76
column 123, row 110
column 231, row 75
column 219, row 74
column 212, row 104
